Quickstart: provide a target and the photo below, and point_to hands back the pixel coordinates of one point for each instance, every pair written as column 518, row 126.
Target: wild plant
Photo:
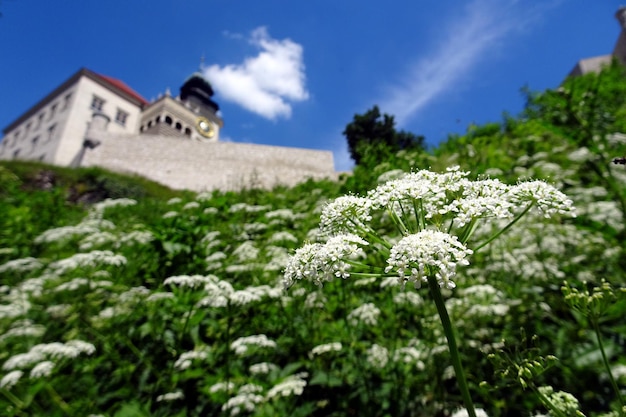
column 418, row 230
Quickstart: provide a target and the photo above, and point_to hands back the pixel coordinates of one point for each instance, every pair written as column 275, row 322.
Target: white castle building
column 92, row 119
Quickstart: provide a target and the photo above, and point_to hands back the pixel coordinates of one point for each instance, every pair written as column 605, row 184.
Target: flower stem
column 507, row 227
column 448, row 330
column 596, row 329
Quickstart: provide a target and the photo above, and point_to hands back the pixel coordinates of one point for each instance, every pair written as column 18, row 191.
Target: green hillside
column 119, row 297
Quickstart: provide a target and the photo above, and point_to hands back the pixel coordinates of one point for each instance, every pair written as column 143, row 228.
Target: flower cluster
column 435, row 214
column 325, row 348
column 241, row 345
column 292, row 385
column 427, row 253
column 324, row 262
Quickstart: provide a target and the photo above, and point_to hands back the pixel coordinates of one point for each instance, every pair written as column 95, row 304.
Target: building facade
column 93, row 119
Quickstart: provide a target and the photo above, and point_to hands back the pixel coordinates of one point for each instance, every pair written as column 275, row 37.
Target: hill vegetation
column 119, row 297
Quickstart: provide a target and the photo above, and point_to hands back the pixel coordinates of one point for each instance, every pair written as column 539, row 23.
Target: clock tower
column 193, row 114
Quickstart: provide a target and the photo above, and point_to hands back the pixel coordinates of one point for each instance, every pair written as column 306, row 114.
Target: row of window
column 167, row 120
column 97, row 104
column 34, row 125
column 8, row 142
column 16, row 153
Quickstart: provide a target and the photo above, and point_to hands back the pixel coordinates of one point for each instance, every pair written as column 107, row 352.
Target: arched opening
column 187, row 131
column 179, row 126
column 168, row 120
column 149, row 124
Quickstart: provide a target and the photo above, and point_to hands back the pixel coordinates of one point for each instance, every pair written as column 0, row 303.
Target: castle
column 594, row 64
column 95, row 120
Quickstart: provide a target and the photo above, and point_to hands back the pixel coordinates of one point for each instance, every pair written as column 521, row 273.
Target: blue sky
column 294, row 73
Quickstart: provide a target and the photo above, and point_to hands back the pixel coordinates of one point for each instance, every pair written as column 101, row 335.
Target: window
column 16, row 153
column 39, row 120
column 97, row 103
column 168, row 120
column 121, row 117
column 66, row 101
column 35, row 140
column 53, row 110
column 187, row 131
column 42, row 157
column 179, row 126
column 28, row 125
column 51, row 131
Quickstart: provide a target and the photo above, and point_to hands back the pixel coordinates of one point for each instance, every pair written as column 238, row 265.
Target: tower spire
column 201, row 67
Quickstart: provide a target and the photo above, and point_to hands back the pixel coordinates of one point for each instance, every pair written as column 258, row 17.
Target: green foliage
column 140, row 326
column 372, row 138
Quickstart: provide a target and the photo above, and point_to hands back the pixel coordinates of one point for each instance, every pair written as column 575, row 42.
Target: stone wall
column 188, row 164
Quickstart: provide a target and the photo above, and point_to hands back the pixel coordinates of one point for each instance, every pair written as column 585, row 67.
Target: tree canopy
column 372, row 132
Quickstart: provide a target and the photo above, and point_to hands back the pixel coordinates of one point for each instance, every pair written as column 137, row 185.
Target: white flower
column 462, row 412
column 292, row 385
column 185, row 358
column 408, row 297
column 42, row 369
column 23, row 328
column 547, row 198
column 411, row 355
column 245, row 400
column 240, row 345
column 140, row 237
column 174, row 200
column 23, row 360
column 325, row 348
column 367, row 314
column 110, row 202
column 171, row 396
column 191, row 205
column 244, row 297
column 90, row 259
column 282, row 236
column 193, row 281
column 96, row 239
column 9, row 380
column 262, row 368
column 246, row 252
column 323, row 262
column 170, row 214
column 222, row 386
column 344, row 214
column 158, row 296
column 315, row 300
column 21, row 265
column 427, row 253
column 377, row 356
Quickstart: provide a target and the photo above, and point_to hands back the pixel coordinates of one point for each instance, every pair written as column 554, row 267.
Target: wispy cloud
column 267, row 83
column 468, row 39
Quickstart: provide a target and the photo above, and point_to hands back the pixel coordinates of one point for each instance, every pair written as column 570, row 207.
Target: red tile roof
column 120, row 85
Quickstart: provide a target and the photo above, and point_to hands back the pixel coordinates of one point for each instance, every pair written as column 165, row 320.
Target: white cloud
column 267, row 83
column 469, row 40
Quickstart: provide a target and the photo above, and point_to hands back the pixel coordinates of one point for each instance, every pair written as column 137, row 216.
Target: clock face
column 204, row 127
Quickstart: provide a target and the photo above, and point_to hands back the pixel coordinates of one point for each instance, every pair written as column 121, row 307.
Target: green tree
column 372, row 132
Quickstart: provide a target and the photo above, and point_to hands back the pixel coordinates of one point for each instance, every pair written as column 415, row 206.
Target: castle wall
column 188, row 164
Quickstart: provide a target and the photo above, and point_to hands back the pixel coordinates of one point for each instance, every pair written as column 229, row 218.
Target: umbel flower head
column 427, row 253
column 435, row 216
column 324, row 262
